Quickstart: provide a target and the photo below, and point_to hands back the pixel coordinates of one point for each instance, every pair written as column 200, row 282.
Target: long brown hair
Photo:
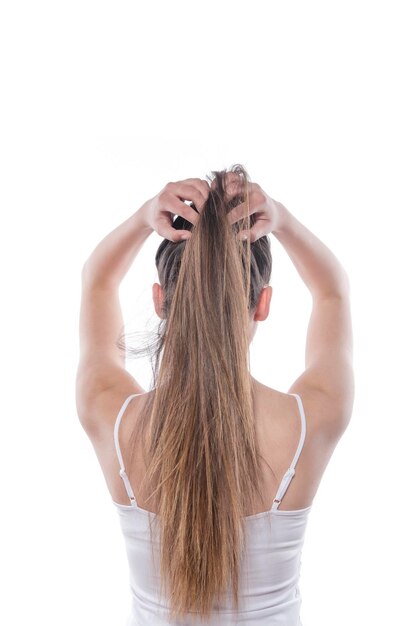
column 203, row 466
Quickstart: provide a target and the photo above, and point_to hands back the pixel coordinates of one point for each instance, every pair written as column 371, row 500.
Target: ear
column 158, row 298
column 263, row 306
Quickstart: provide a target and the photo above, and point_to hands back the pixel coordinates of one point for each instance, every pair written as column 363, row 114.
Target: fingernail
column 184, row 237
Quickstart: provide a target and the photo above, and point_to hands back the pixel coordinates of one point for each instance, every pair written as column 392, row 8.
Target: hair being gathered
column 203, row 466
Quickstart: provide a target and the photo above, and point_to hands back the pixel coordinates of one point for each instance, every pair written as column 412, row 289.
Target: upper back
column 278, row 426
column 269, row 573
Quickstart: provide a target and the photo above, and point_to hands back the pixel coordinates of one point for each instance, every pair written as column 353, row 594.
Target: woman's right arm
column 328, row 378
column 329, row 341
column 318, row 267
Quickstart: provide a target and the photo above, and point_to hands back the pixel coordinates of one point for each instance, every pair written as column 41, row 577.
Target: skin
column 326, row 386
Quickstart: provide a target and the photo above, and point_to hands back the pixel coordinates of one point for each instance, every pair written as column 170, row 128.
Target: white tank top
column 271, row 566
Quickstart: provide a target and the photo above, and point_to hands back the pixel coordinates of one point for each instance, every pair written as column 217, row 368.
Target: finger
column 204, row 188
column 177, row 207
column 165, row 229
column 201, row 186
column 233, row 184
column 207, row 187
column 255, row 232
column 232, row 177
column 239, row 212
column 186, row 191
column 196, row 181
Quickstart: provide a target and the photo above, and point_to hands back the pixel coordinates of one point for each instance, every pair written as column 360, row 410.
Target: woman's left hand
column 158, row 212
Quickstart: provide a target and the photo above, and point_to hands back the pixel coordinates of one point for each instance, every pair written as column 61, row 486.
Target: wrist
column 283, row 221
column 141, row 219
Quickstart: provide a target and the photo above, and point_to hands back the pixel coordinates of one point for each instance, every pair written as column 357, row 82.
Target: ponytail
column 202, row 457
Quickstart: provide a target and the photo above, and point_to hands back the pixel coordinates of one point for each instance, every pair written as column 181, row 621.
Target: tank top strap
column 291, row 471
column 122, row 471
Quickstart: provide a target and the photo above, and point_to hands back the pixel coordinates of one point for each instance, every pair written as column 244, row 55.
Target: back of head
column 202, row 458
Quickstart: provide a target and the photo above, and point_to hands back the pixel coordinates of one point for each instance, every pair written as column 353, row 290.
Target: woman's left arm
column 101, row 363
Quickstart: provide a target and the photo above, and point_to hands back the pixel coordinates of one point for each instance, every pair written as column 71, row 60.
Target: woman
column 213, row 473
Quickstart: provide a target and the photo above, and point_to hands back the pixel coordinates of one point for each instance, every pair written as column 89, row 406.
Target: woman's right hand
column 269, row 213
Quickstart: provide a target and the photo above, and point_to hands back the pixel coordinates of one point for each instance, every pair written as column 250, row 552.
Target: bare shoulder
column 327, row 414
column 279, row 427
column 100, row 413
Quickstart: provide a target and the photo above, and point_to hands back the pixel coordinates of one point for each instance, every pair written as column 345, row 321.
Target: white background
column 105, row 102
